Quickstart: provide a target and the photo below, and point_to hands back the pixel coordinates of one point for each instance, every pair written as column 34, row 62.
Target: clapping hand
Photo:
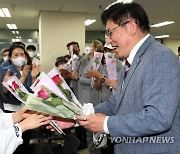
column 6, row 78
column 35, row 70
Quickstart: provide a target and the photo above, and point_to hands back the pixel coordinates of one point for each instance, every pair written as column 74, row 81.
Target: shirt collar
column 135, row 49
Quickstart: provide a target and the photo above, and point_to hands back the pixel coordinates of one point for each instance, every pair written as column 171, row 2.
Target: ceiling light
column 89, row 21
column 11, row 26
column 161, row 36
column 4, row 12
column 16, row 40
column 15, row 32
column 162, row 23
column 13, row 40
column 29, row 40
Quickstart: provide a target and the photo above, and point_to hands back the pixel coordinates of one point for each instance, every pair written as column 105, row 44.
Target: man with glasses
column 143, row 116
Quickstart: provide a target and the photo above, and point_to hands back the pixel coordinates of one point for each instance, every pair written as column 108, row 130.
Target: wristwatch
column 103, row 79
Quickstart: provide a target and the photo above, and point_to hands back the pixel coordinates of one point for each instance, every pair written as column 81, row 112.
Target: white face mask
column 31, row 54
column 5, row 58
column 20, row 61
column 109, row 55
column 87, row 50
column 62, row 66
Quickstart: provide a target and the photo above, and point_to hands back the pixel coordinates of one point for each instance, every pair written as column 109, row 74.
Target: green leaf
column 67, row 92
column 56, row 101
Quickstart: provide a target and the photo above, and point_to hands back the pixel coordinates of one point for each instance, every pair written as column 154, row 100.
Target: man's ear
column 132, row 28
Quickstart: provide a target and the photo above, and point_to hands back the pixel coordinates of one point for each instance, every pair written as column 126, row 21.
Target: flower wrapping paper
column 111, row 68
column 45, row 101
column 15, row 86
column 96, row 64
column 61, row 101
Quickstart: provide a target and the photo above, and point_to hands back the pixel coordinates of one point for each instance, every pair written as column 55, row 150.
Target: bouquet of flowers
column 51, row 96
column 96, row 64
column 60, row 101
column 46, row 101
column 16, row 88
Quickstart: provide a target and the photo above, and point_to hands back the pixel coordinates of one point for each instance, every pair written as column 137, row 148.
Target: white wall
column 172, row 43
column 56, row 29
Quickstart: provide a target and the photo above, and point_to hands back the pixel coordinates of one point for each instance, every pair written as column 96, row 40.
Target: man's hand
column 93, row 122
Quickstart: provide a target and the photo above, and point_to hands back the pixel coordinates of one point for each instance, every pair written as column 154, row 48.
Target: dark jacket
column 9, row 98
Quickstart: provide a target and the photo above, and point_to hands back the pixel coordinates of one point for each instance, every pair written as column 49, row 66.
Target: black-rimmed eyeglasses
column 109, row 32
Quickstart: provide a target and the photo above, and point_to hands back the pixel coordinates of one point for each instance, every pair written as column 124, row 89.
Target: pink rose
column 43, row 94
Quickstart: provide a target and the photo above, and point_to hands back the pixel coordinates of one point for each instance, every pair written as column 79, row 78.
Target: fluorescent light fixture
column 11, row 26
column 15, row 32
column 18, row 37
column 161, row 36
column 29, row 40
column 4, row 12
column 16, row 40
column 162, row 23
column 14, row 26
column 13, row 40
column 89, row 22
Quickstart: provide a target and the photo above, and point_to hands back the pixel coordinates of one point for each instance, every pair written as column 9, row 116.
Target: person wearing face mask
column 18, row 59
column 60, row 64
column 6, row 61
column 107, row 85
column 18, row 67
column 31, row 49
column 86, row 93
column 72, row 81
column 87, row 50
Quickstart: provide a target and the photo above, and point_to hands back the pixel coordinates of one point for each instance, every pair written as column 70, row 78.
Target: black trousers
column 23, row 148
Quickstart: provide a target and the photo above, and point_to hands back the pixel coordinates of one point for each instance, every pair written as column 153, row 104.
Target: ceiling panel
column 25, row 13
